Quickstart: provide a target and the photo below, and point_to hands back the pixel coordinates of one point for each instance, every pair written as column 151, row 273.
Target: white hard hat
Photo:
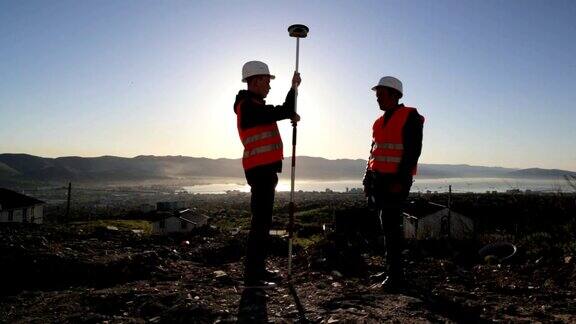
column 253, row 68
column 390, row 82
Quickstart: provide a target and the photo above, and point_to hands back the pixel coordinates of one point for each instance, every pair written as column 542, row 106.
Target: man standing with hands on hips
column 396, row 147
column 262, row 160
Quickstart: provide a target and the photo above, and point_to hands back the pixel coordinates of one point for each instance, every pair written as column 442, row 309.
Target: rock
column 539, row 260
column 337, row 274
column 220, row 274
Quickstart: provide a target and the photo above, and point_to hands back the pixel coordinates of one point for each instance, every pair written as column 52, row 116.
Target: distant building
column 170, row 205
column 426, row 220
column 177, row 221
column 19, row 208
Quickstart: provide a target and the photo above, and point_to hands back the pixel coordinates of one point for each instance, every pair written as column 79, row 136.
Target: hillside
column 24, row 167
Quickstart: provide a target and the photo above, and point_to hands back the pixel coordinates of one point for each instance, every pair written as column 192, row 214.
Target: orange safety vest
column 388, row 147
column 262, row 143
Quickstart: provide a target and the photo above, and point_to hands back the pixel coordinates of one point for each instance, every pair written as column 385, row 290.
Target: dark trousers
column 390, row 206
column 263, row 186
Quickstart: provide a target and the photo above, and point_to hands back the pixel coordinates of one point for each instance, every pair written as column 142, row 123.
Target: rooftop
column 11, row 199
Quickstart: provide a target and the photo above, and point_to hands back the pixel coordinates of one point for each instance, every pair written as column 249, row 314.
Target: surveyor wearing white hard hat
column 262, row 159
column 396, row 147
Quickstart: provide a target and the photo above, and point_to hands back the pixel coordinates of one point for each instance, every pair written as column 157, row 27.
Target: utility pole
column 67, row 218
column 449, row 211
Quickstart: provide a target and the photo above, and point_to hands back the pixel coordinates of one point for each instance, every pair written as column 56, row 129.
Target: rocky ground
column 71, row 275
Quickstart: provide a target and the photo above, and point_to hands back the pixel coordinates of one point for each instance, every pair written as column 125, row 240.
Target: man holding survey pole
column 262, row 159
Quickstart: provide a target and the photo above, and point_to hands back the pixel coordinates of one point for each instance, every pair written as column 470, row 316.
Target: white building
column 19, row 208
column 179, row 221
column 435, row 221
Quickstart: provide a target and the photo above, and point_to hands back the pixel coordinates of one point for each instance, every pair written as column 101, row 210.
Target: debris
column 337, row 274
column 500, row 251
column 120, row 277
column 491, row 260
column 220, row 273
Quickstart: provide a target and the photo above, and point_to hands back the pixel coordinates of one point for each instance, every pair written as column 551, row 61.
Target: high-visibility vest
column 388, row 139
column 262, row 143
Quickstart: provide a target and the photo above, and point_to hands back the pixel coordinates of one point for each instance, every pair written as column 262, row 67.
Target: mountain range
column 30, row 168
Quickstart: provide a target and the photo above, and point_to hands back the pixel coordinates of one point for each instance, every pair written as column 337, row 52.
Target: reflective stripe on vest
column 262, row 149
column 388, row 148
column 262, row 143
column 391, row 159
column 260, row 136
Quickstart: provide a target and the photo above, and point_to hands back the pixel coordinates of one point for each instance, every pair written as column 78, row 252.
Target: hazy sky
column 496, row 80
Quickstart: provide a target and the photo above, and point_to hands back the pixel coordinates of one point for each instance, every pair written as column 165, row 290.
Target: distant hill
column 29, row 168
column 26, row 167
column 462, row 171
column 540, row 173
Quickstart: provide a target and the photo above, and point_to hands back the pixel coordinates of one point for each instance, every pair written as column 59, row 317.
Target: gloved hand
column 296, row 80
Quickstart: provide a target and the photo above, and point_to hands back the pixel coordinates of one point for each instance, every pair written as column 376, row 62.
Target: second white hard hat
column 253, row 68
column 390, row 82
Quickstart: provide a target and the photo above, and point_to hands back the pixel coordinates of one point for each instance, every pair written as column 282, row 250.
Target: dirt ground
column 68, row 275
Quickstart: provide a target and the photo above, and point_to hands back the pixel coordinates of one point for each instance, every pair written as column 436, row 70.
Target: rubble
column 61, row 274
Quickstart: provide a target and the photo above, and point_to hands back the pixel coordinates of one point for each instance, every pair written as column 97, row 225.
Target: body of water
column 478, row 185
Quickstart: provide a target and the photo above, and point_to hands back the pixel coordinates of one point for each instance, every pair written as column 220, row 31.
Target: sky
column 495, row 80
